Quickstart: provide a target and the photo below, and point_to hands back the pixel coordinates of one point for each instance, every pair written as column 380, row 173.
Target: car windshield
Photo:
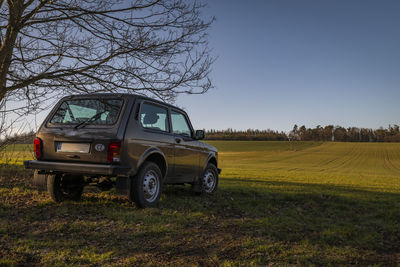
column 92, row 111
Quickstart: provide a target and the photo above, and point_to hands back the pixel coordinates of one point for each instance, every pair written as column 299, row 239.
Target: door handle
column 178, row 140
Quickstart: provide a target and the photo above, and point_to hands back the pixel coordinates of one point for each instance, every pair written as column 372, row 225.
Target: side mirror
column 199, row 135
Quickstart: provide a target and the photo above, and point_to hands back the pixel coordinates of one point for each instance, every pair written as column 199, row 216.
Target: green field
column 278, row 203
column 369, row 166
column 16, row 154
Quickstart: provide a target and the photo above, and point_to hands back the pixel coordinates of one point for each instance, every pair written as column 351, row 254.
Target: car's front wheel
column 147, row 185
column 208, row 182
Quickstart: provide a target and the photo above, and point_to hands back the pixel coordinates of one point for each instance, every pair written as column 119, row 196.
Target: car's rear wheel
column 147, row 185
column 65, row 187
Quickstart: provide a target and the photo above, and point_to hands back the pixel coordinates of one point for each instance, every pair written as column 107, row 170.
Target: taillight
column 37, row 147
column 114, row 152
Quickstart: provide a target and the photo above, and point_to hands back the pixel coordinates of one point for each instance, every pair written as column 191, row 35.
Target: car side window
column 179, row 124
column 154, row 117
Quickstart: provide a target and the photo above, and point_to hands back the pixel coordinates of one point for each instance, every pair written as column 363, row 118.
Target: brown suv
column 132, row 142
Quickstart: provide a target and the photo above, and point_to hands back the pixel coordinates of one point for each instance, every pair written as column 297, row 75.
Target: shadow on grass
column 245, row 221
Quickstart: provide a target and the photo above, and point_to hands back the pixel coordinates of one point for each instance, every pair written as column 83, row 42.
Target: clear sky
column 284, row 62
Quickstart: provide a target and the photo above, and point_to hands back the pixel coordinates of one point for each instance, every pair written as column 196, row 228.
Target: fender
column 212, row 155
column 209, row 157
column 149, row 152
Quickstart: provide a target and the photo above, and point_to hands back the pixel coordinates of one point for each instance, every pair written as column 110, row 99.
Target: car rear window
column 98, row 111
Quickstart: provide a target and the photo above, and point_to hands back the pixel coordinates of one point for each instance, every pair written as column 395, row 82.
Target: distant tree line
column 20, row 138
column 319, row 133
column 250, row 134
column 341, row 134
column 302, row 133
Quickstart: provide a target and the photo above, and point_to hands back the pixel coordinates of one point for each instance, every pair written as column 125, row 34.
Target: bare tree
column 55, row 47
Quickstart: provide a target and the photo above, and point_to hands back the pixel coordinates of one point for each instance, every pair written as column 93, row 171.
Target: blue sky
column 282, row 63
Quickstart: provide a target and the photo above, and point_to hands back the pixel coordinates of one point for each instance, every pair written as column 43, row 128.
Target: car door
column 149, row 130
column 186, row 149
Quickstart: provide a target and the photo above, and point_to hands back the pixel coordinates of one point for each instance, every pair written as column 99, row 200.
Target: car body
column 108, row 139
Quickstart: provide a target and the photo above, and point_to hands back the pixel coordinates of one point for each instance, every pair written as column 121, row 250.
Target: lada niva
column 131, row 142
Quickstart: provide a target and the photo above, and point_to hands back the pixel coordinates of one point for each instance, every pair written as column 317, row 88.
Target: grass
column 16, row 154
column 277, row 204
column 372, row 166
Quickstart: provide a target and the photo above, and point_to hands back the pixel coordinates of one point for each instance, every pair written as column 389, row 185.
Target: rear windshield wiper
column 91, row 119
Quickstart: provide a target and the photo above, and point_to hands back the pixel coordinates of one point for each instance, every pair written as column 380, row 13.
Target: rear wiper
column 91, row 119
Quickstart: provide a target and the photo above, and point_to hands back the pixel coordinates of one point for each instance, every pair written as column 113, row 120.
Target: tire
column 64, row 187
column 208, row 182
column 146, row 185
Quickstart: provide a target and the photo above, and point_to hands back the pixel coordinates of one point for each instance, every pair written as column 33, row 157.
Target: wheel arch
column 157, row 156
column 211, row 158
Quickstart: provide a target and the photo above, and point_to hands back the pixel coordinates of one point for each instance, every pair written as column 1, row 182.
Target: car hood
column 210, row 147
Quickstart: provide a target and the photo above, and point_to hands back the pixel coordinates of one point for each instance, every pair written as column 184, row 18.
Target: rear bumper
column 81, row 168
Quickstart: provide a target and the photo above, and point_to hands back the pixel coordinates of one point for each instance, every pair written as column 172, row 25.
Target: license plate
column 73, row 147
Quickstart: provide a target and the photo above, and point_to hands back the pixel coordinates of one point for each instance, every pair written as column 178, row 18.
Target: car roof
column 125, row 95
